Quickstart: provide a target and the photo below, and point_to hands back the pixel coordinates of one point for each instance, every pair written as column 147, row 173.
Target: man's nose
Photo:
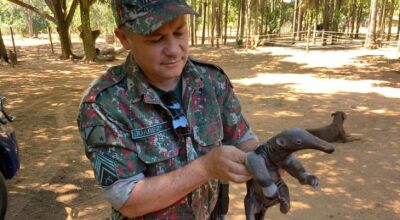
column 172, row 47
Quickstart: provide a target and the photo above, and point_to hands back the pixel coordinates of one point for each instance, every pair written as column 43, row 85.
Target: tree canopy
column 247, row 21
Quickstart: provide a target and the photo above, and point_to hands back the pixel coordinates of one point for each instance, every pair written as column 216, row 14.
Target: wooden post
column 13, row 42
column 51, row 41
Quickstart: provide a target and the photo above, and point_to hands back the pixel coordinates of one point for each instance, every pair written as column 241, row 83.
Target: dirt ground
column 278, row 88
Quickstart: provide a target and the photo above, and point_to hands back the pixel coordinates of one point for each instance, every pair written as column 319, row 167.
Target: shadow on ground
column 360, row 180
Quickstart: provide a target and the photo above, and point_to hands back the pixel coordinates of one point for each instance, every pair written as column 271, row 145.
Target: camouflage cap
column 146, row 16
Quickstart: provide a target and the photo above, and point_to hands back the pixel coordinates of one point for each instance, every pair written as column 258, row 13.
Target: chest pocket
column 157, row 148
column 205, row 118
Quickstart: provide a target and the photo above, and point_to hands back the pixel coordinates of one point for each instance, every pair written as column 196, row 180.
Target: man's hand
column 158, row 192
column 226, row 163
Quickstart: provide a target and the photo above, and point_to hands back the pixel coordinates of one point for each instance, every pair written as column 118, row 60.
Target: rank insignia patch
column 105, row 170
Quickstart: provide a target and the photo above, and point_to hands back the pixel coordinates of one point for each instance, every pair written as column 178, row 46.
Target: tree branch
column 50, row 4
column 91, row 2
column 72, row 10
column 36, row 10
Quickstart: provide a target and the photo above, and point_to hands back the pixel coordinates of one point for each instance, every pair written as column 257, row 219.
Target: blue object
column 9, row 157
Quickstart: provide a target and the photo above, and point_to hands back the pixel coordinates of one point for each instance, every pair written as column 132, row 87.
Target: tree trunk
column 28, row 20
column 63, row 25
column 370, row 41
column 87, row 37
column 242, row 22
column 398, row 45
column 218, row 16
column 294, row 21
column 266, row 14
column 65, row 41
column 213, row 5
column 325, row 21
column 262, row 15
column 196, row 25
column 309, row 25
column 280, row 18
column 191, row 24
column 335, row 6
column 315, row 28
column 209, row 18
column 391, row 12
column 381, row 24
column 3, row 50
column 239, row 18
column 226, row 21
column 192, row 30
column 62, row 29
column 256, row 14
column 203, row 33
column 398, row 25
column 315, row 20
column 248, row 23
column 353, row 16
column 61, row 18
column 193, row 21
column 299, row 20
column 358, row 22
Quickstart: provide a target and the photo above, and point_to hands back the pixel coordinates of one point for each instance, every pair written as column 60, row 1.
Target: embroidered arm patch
column 95, row 135
column 105, row 170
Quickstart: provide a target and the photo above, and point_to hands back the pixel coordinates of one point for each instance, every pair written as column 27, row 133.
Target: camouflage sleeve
column 107, row 146
column 236, row 128
column 248, row 136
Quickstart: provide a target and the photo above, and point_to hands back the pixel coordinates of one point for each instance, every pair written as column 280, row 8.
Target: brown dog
column 335, row 131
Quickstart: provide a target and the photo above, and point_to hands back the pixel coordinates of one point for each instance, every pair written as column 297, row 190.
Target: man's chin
column 173, row 69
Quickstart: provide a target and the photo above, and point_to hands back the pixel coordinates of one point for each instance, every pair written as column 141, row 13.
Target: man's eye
column 180, row 33
column 156, row 40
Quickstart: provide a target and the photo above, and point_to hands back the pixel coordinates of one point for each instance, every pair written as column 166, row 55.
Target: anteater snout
column 330, row 150
column 323, row 146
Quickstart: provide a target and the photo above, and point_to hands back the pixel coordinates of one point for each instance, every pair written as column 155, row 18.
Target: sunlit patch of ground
column 328, row 58
column 358, row 181
column 311, row 83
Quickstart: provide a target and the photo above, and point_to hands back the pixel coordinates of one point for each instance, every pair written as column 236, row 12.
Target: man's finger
column 238, row 168
column 236, row 178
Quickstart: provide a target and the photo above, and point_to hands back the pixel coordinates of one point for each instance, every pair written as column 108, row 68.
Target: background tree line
column 245, row 22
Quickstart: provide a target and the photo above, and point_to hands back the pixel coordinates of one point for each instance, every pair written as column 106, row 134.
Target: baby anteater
column 267, row 188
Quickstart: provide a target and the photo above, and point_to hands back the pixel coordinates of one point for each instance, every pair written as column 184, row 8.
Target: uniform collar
column 140, row 88
column 192, row 76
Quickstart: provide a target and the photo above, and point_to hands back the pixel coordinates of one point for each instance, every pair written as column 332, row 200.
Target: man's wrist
column 201, row 165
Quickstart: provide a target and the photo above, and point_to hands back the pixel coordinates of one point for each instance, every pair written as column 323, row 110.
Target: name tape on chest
column 148, row 131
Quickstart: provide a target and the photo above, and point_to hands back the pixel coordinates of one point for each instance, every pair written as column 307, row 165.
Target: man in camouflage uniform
column 162, row 130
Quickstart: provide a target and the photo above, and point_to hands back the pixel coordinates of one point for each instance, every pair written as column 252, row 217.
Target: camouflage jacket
column 127, row 131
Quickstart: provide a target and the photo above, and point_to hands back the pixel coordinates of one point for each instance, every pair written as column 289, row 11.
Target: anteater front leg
column 256, row 166
column 294, row 167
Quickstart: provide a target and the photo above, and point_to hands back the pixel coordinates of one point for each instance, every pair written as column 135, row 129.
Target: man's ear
column 123, row 38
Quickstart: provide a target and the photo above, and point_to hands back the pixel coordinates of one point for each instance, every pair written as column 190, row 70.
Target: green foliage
column 101, row 18
column 278, row 12
column 39, row 24
column 11, row 15
column 14, row 16
column 339, row 15
column 273, row 19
